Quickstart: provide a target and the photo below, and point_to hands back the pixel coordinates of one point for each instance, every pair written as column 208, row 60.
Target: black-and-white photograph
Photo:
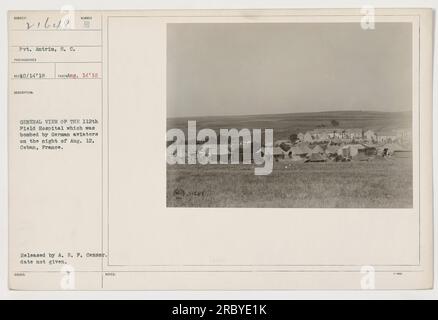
column 330, row 104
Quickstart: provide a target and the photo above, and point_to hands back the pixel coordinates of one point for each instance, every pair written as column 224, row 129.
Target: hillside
column 286, row 124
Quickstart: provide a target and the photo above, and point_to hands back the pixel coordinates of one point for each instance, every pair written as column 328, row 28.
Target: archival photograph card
column 220, row 149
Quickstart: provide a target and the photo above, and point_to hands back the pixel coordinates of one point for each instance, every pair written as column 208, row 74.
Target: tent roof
column 317, row 149
column 304, row 148
column 316, row 157
column 297, row 150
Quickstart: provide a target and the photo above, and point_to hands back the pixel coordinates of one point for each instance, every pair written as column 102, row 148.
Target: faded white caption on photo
column 368, row 19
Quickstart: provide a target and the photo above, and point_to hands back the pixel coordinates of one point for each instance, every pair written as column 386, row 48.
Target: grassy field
column 380, row 183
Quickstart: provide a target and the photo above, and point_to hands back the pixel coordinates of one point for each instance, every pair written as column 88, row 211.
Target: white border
column 190, row 4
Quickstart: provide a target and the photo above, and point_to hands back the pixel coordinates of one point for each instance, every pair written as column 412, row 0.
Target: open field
column 379, row 183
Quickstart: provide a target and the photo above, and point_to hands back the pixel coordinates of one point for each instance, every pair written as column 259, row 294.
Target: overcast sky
column 264, row 68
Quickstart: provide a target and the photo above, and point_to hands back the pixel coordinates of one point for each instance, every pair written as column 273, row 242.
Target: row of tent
column 303, row 150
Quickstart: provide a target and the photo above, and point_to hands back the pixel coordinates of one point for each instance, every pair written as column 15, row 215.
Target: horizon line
column 282, row 113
